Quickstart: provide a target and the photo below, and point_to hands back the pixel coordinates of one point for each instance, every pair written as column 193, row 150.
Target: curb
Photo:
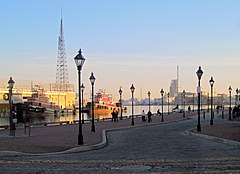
column 209, row 137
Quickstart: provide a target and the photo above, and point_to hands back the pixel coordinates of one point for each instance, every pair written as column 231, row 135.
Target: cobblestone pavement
column 152, row 149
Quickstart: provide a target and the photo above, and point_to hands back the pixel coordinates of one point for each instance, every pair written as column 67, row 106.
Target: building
column 173, row 92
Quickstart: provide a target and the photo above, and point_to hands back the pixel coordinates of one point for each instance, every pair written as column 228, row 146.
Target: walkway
column 157, row 148
column 47, row 139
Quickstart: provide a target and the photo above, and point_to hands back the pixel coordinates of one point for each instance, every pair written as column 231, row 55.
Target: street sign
column 198, row 89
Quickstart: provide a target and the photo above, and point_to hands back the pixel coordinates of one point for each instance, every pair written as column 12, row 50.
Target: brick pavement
column 229, row 131
column 47, row 139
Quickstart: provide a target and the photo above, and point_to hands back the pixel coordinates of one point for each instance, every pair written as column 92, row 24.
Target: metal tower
column 62, row 71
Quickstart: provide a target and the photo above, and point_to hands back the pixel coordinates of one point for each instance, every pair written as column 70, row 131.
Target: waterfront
column 68, row 116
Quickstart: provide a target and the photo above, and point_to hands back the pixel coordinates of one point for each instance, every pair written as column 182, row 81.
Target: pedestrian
column 149, row 116
column 113, row 115
column 189, row 108
column 143, row 116
column 158, row 112
column 116, row 115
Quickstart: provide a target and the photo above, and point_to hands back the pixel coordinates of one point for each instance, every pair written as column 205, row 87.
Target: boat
column 104, row 103
column 39, row 103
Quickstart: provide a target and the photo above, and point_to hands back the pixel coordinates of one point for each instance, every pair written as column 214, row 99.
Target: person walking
column 143, row 116
column 149, row 116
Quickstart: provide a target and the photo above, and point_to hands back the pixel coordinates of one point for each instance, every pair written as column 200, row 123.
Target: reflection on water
column 59, row 117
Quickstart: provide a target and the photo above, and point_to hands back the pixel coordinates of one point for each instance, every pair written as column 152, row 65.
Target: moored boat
column 103, row 103
column 39, row 103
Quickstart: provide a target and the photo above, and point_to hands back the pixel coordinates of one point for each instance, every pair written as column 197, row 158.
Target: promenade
column 63, row 138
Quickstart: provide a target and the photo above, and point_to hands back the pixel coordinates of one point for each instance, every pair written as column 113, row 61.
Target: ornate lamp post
column 237, row 96
column 149, row 94
column 82, row 88
column 208, row 100
column 120, row 93
column 92, row 80
column 199, row 75
column 162, row 92
column 168, row 102
column 10, row 86
column 132, row 88
column 230, row 101
column 193, row 103
column 211, row 81
column 184, row 94
column 79, row 60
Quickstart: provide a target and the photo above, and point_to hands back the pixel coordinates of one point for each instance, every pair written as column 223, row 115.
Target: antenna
column 177, row 79
column 62, row 71
column 61, row 12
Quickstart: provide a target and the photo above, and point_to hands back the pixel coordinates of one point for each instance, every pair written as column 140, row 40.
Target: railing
column 54, row 123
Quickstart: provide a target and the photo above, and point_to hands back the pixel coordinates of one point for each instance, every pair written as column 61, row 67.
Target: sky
column 124, row 42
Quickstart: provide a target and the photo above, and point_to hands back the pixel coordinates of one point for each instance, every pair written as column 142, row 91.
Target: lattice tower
column 62, row 71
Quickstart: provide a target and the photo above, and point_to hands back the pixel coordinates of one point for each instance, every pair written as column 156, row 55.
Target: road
column 151, row 149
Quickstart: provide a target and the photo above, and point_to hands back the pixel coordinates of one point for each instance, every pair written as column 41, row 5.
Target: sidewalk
column 49, row 139
column 229, row 131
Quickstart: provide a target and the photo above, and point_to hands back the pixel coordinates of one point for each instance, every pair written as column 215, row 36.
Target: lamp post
column 199, row 75
column 230, row 109
column 162, row 92
column 184, row 93
column 237, row 96
column 92, row 80
column 211, row 81
column 208, row 100
column 120, row 93
column 149, row 94
column 168, row 102
column 10, row 86
column 193, row 103
column 132, row 88
column 237, row 103
column 79, row 60
column 82, row 88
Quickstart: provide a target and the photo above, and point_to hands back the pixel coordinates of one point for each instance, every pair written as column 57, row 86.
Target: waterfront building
column 62, row 99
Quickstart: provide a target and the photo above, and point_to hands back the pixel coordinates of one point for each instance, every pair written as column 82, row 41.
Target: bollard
column 25, row 131
column 203, row 114
column 222, row 114
column 29, row 130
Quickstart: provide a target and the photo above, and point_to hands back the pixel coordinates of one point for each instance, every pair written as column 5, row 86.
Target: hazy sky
column 124, row 42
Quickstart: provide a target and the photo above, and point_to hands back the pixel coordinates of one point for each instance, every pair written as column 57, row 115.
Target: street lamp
column 211, row 81
column 199, row 75
column 120, row 92
column 162, row 92
column 208, row 100
column 184, row 93
column 230, row 109
column 168, row 102
column 82, row 88
column 79, row 60
column 92, row 80
column 10, row 86
column 149, row 94
column 237, row 96
column 132, row 90
column 193, row 103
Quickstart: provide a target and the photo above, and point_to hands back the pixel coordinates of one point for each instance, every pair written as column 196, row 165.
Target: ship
column 39, row 102
column 103, row 103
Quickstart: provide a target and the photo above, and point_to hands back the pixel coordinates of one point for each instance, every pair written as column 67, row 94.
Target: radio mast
column 62, row 71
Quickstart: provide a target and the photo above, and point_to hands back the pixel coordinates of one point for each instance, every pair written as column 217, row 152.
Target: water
column 40, row 117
